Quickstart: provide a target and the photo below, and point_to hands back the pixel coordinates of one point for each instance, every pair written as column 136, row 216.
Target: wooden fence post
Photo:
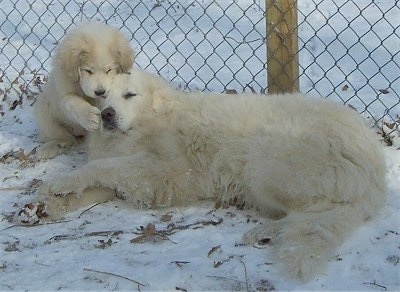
column 282, row 46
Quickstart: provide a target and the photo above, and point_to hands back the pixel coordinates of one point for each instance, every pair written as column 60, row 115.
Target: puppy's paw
column 90, row 118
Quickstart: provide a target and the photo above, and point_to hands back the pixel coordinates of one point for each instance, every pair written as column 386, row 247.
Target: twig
column 375, row 284
column 171, row 229
column 179, row 263
column 91, row 207
column 115, row 275
column 245, row 275
column 90, row 234
column 393, row 232
column 226, row 278
column 34, row 225
column 17, row 188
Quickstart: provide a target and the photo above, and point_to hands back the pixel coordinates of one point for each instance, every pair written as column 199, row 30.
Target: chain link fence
column 348, row 49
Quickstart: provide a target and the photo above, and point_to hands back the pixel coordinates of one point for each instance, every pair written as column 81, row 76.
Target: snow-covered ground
column 113, row 247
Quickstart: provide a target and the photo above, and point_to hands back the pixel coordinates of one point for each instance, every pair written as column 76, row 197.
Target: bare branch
column 115, row 275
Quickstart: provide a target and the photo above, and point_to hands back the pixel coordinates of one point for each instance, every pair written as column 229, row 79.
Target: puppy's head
column 92, row 55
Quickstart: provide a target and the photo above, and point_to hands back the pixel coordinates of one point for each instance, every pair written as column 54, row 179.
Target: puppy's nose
column 108, row 116
column 99, row 92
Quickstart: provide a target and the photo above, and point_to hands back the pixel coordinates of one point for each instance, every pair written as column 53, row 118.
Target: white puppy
column 84, row 64
column 309, row 164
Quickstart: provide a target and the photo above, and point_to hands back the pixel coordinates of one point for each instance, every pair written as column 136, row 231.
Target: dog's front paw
column 51, row 149
column 59, row 187
column 90, row 118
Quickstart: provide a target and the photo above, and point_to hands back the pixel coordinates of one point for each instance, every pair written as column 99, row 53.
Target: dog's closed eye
column 90, row 72
column 129, row 95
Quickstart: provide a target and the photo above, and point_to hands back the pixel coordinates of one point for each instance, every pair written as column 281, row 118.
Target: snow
column 198, row 247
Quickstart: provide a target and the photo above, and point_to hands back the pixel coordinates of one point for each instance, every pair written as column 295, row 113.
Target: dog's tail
column 303, row 241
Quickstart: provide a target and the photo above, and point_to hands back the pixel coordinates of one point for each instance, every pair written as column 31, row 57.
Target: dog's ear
column 71, row 54
column 162, row 101
column 123, row 53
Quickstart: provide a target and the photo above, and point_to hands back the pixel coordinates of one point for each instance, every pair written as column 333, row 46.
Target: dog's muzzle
column 108, row 118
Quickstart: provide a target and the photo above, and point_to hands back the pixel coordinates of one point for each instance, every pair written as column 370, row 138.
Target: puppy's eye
column 129, row 95
column 90, row 72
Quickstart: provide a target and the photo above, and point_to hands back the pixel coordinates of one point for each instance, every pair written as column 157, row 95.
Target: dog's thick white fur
column 84, row 64
column 309, row 164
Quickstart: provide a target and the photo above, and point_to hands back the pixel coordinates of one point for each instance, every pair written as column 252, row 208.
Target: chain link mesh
column 348, row 49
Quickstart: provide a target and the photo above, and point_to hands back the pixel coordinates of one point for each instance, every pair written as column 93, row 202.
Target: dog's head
column 131, row 101
column 92, row 55
column 124, row 103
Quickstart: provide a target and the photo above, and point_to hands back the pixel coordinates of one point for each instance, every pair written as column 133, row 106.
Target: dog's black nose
column 99, row 92
column 108, row 116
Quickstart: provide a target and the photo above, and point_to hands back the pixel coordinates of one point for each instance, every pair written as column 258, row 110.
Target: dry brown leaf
column 104, row 244
column 32, row 213
column 166, row 217
column 20, row 156
column 149, row 234
column 12, row 246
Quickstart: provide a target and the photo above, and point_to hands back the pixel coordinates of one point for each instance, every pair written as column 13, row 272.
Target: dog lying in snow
column 310, row 165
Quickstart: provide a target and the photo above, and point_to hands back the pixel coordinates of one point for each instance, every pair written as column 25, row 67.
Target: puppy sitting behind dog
column 84, row 64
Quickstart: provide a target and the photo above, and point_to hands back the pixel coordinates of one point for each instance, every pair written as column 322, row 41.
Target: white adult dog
column 309, row 164
column 84, row 63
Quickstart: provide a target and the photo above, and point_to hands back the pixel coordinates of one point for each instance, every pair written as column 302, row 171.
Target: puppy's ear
column 123, row 53
column 70, row 54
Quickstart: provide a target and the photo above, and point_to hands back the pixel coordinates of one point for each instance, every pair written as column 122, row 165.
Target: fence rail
column 348, row 49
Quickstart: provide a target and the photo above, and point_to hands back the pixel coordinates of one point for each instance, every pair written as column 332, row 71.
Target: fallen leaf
column 32, row 213
column 149, row 234
column 12, row 247
column 166, row 218
column 104, row 244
